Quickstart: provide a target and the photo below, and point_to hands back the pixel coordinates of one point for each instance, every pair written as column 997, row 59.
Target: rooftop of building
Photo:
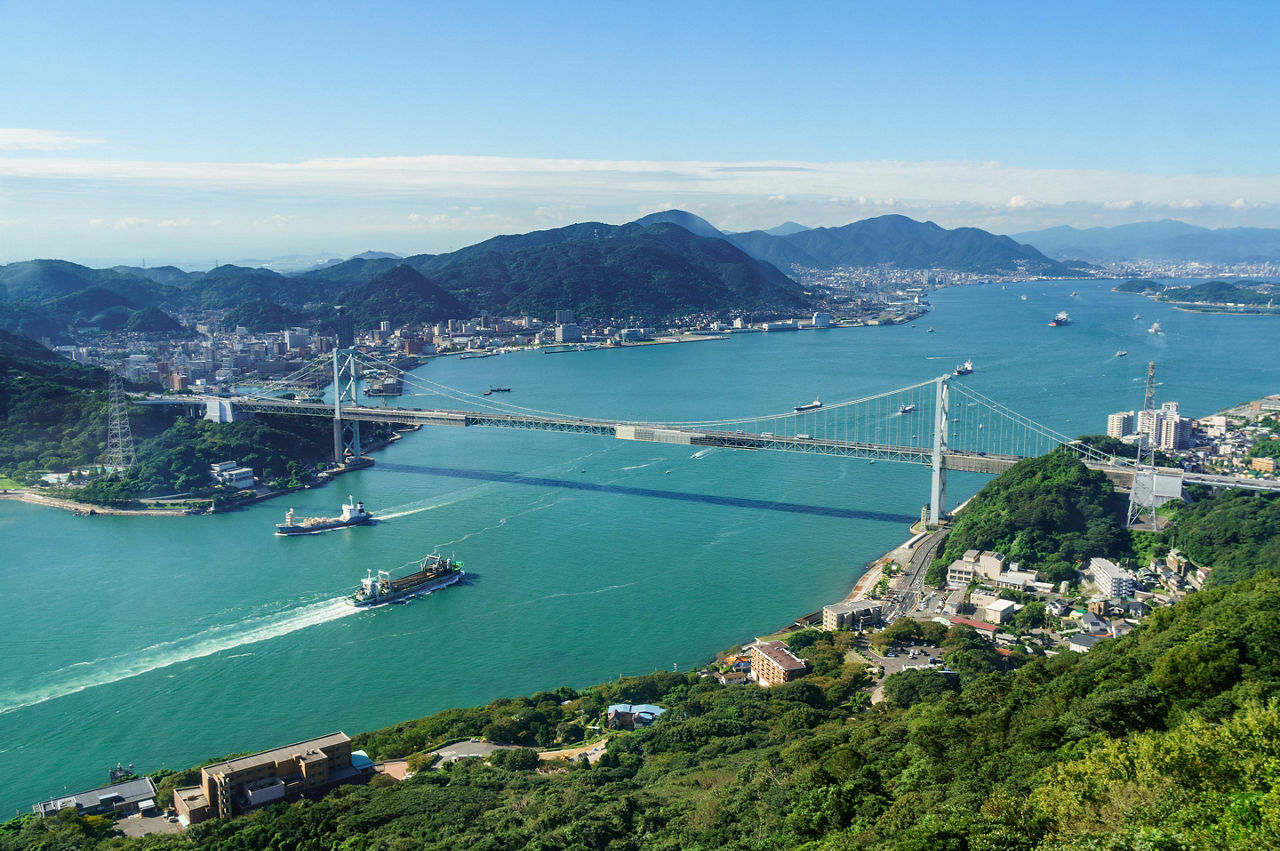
column 127, row 792
column 780, row 654
column 636, row 709
column 281, row 754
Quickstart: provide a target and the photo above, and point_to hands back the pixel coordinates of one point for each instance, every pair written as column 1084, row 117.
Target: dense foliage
column 1237, row 533
column 1216, row 292
column 258, row 315
column 1139, row 285
column 52, row 410
column 401, row 295
column 275, row 447
column 1046, row 513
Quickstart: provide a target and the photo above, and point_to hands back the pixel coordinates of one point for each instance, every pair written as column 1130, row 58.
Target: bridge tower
column 346, row 434
column 941, row 424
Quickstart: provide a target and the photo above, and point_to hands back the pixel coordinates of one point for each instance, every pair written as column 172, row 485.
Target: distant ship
column 1121, row 353
column 493, row 390
column 1061, row 319
column 1023, row 297
column 965, row 368
column 812, row 406
column 1155, row 328
column 353, row 514
column 930, row 331
column 385, row 386
column 906, row 409
column 1073, row 293
column 434, row 572
column 1137, row 316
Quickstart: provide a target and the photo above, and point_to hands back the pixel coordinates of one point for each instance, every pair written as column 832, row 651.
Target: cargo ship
column 1061, row 319
column 434, row 572
column 965, row 368
column 353, row 514
column 811, row 406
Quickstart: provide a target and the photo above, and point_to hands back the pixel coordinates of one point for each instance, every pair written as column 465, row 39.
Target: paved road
column 461, row 750
column 911, row 583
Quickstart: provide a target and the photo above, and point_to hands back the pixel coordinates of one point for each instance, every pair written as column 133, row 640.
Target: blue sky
column 233, row 130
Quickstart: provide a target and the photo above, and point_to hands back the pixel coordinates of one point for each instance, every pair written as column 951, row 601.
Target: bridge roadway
column 650, row 432
column 968, row 462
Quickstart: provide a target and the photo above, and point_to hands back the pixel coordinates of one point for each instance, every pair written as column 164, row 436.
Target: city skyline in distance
column 229, row 132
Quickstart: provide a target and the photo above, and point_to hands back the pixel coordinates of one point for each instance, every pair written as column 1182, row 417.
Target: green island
column 1251, row 297
column 1167, row 737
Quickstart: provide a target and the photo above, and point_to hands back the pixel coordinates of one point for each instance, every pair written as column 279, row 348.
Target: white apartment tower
column 1120, row 424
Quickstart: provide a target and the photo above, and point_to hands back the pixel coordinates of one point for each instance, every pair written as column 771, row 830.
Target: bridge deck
column 960, row 461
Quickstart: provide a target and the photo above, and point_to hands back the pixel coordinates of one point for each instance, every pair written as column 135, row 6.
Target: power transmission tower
column 1143, row 494
column 119, row 437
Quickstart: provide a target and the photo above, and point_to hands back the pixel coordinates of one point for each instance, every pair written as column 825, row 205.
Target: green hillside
column 606, row 272
column 401, row 295
column 52, row 410
column 1166, row 738
column 1047, row 513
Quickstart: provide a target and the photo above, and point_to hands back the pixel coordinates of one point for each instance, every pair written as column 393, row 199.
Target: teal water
column 166, row 641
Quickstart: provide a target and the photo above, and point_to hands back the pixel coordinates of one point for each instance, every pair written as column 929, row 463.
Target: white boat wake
column 85, row 675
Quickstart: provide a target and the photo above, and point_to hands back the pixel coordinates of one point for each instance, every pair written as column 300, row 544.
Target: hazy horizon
column 227, row 131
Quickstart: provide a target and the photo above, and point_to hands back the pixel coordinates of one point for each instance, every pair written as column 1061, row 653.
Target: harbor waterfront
column 164, row 642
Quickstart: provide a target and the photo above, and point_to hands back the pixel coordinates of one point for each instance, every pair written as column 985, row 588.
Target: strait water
column 163, row 641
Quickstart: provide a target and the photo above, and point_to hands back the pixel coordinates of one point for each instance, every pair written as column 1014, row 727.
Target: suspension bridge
column 939, row 423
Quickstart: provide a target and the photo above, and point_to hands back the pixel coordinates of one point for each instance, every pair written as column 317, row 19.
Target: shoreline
column 89, row 509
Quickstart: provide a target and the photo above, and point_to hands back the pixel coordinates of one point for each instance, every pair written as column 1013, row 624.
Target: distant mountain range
column 1166, row 240
column 895, row 241
column 665, row 264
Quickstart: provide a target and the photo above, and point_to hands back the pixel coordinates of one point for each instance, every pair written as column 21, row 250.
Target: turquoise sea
column 163, row 641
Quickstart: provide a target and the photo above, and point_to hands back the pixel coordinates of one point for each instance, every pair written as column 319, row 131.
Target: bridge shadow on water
column 593, row 487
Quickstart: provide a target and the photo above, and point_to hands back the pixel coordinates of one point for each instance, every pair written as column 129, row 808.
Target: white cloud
column 652, row 185
column 9, row 223
column 28, row 139
column 130, row 222
column 97, row 222
column 174, row 223
column 1119, row 205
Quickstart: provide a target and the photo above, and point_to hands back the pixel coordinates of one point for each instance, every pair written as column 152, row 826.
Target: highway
column 911, row 582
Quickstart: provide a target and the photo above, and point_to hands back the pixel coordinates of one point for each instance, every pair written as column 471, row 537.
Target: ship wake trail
column 100, row 672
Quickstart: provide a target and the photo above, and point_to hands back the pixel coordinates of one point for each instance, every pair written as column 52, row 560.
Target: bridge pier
column 938, row 488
